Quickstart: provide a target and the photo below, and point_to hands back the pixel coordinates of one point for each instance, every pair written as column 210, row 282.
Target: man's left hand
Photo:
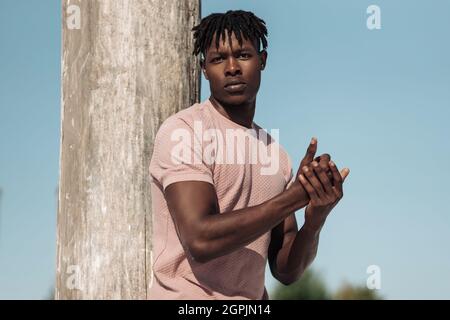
column 324, row 192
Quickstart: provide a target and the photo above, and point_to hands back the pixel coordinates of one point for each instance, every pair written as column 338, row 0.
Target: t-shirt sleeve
column 177, row 155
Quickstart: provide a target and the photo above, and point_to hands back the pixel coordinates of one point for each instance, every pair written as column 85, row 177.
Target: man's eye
column 216, row 59
column 244, row 55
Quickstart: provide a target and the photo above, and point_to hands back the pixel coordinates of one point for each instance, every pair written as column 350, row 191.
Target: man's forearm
column 293, row 259
column 224, row 233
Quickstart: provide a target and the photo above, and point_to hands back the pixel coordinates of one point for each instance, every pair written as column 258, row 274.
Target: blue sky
column 378, row 101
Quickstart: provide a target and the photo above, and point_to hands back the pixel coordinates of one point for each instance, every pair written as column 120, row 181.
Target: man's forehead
column 224, row 43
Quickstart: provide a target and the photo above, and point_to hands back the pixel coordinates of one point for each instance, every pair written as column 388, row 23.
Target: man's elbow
column 288, row 278
column 199, row 251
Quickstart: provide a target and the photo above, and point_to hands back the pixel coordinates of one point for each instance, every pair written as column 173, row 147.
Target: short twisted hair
column 243, row 24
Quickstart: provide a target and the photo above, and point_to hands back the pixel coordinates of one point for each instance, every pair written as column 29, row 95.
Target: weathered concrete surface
column 127, row 69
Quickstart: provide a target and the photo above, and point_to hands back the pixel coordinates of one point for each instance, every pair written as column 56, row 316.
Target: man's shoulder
column 186, row 117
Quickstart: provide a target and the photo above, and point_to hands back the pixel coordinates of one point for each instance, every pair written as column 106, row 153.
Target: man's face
column 234, row 73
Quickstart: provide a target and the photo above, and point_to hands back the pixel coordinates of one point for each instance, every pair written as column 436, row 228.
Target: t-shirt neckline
column 210, row 105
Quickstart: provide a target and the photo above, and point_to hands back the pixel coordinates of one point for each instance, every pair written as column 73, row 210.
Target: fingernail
column 301, row 177
column 305, row 169
column 313, row 140
column 332, row 163
column 315, row 164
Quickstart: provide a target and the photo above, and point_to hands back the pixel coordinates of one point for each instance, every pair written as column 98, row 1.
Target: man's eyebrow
column 238, row 49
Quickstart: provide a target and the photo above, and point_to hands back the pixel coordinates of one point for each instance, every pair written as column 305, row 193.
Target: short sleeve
column 177, row 155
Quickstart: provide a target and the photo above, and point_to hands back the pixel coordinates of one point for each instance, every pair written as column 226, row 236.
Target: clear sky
column 378, row 101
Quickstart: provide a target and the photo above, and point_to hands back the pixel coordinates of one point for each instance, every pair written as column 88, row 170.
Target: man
column 216, row 223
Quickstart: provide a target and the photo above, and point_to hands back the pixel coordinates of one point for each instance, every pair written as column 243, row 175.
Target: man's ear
column 263, row 59
column 203, row 66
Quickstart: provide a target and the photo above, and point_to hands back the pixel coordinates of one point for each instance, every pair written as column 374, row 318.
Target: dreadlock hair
column 241, row 23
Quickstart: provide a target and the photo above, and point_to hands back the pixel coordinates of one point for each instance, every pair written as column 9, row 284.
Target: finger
column 309, row 174
column 323, row 160
column 309, row 188
column 323, row 178
column 344, row 173
column 339, row 177
column 324, row 164
column 310, row 153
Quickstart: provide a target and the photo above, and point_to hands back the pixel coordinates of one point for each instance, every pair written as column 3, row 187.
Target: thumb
column 344, row 173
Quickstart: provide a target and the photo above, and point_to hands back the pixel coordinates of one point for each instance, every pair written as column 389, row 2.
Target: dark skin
column 234, row 64
column 204, row 233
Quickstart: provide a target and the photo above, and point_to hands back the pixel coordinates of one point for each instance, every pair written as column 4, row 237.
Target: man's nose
column 232, row 67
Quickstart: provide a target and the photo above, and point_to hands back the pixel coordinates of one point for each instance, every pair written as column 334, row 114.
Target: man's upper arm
column 189, row 202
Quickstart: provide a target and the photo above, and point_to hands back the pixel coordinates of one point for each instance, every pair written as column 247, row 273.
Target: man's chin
column 234, row 99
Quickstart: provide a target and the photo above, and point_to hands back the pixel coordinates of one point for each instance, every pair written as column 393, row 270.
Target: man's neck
column 241, row 114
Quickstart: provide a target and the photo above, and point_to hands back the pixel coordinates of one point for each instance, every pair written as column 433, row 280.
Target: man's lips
column 235, row 86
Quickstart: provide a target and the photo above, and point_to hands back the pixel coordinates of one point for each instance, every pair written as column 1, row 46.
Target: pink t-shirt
column 199, row 143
